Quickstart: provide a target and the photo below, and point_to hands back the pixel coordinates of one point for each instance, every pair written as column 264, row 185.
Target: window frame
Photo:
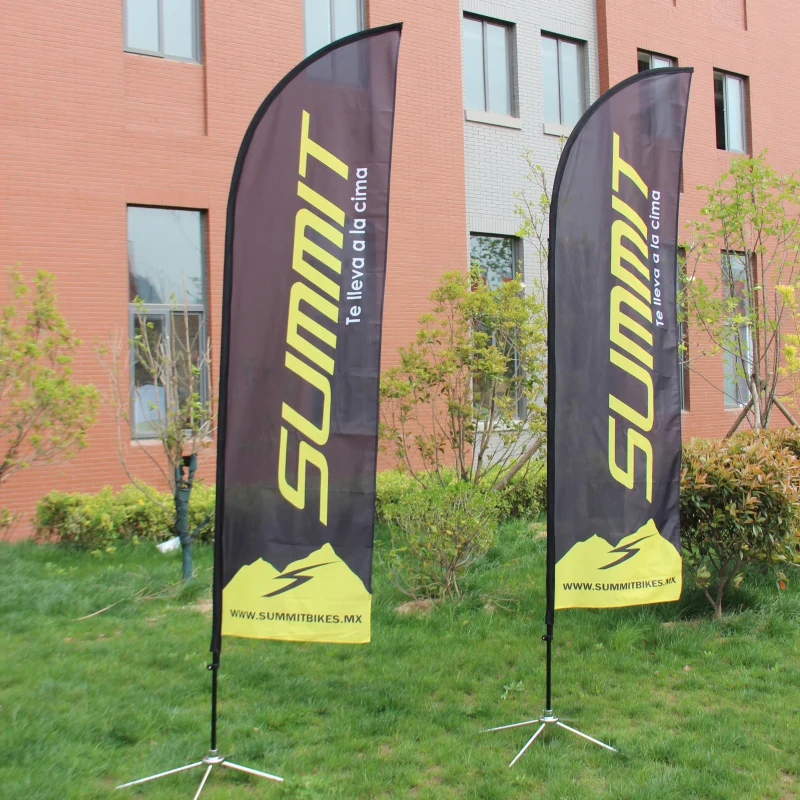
column 509, row 67
column 742, row 79
column 673, row 62
column 165, row 311
column 361, row 13
column 197, row 35
column 735, row 402
column 581, row 44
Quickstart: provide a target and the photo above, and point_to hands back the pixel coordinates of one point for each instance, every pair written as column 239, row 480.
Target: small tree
column 748, row 234
column 44, row 413
column 172, row 391
column 468, row 392
column 176, row 366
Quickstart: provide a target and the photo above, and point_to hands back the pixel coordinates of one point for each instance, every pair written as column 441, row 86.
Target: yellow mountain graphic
column 315, row 599
column 643, row 568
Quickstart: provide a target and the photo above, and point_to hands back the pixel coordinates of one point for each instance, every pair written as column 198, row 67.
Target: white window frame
column 197, row 37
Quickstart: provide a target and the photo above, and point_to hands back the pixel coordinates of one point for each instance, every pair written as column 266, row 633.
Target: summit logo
column 297, row 578
column 629, row 552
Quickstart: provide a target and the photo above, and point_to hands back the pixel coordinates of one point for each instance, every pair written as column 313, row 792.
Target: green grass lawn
column 697, row 708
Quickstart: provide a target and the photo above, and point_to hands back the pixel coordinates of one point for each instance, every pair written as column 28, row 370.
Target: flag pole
column 548, row 717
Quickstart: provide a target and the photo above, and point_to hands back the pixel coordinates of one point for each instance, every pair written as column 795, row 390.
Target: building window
column 496, row 258
column 562, row 80
column 730, row 99
column 164, row 28
column 166, row 268
column 738, row 354
column 487, row 66
column 325, row 21
column 653, row 61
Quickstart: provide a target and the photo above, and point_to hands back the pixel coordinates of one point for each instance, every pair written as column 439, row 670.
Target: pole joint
column 547, row 637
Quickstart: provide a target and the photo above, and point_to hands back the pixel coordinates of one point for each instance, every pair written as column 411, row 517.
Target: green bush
column 438, row 532
column 391, row 486
column 526, row 495
column 738, row 507
column 96, row 521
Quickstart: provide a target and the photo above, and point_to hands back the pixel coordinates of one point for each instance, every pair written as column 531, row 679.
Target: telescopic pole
column 549, row 718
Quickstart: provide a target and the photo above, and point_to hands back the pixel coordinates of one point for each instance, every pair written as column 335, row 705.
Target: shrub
column 95, row 521
column 526, row 495
column 738, row 507
column 391, row 486
column 438, row 533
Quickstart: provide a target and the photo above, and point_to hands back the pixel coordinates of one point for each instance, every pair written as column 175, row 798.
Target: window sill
column 489, row 118
column 161, row 56
column 556, row 129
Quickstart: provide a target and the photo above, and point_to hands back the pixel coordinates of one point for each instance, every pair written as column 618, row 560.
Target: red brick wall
column 86, row 129
column 757, row 40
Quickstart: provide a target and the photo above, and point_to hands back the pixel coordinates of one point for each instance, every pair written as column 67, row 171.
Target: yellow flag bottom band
column 643, row 568
column 315, row 599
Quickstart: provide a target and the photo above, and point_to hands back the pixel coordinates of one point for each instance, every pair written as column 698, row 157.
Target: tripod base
column 213, row 759
column 548, row 718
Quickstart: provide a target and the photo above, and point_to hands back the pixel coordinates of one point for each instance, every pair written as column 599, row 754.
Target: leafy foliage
column 391, row 486
column 468, row 392
column 739, row 507
column 742, row 273
column 44, row 413
column 438, row 532
column 102, row 520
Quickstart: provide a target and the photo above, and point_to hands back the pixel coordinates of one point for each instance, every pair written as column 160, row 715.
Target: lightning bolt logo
column 297, row 578
column 629, row 550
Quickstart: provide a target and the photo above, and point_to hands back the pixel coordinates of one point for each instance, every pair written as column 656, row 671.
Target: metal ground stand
column 212, row 758
column 548, row 718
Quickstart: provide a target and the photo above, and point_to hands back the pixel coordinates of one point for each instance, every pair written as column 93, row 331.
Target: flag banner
column 614, row 424
column 305, row 263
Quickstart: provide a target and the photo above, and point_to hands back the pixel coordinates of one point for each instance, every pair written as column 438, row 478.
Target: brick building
column 120, row 123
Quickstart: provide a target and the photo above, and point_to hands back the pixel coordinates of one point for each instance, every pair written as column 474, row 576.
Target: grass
column 697, row 708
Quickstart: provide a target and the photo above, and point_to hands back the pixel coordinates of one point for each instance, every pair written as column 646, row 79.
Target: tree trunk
column 183, row 489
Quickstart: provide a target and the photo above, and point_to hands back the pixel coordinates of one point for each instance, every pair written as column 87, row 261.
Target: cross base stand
column 212, row 759
column 548, row 718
